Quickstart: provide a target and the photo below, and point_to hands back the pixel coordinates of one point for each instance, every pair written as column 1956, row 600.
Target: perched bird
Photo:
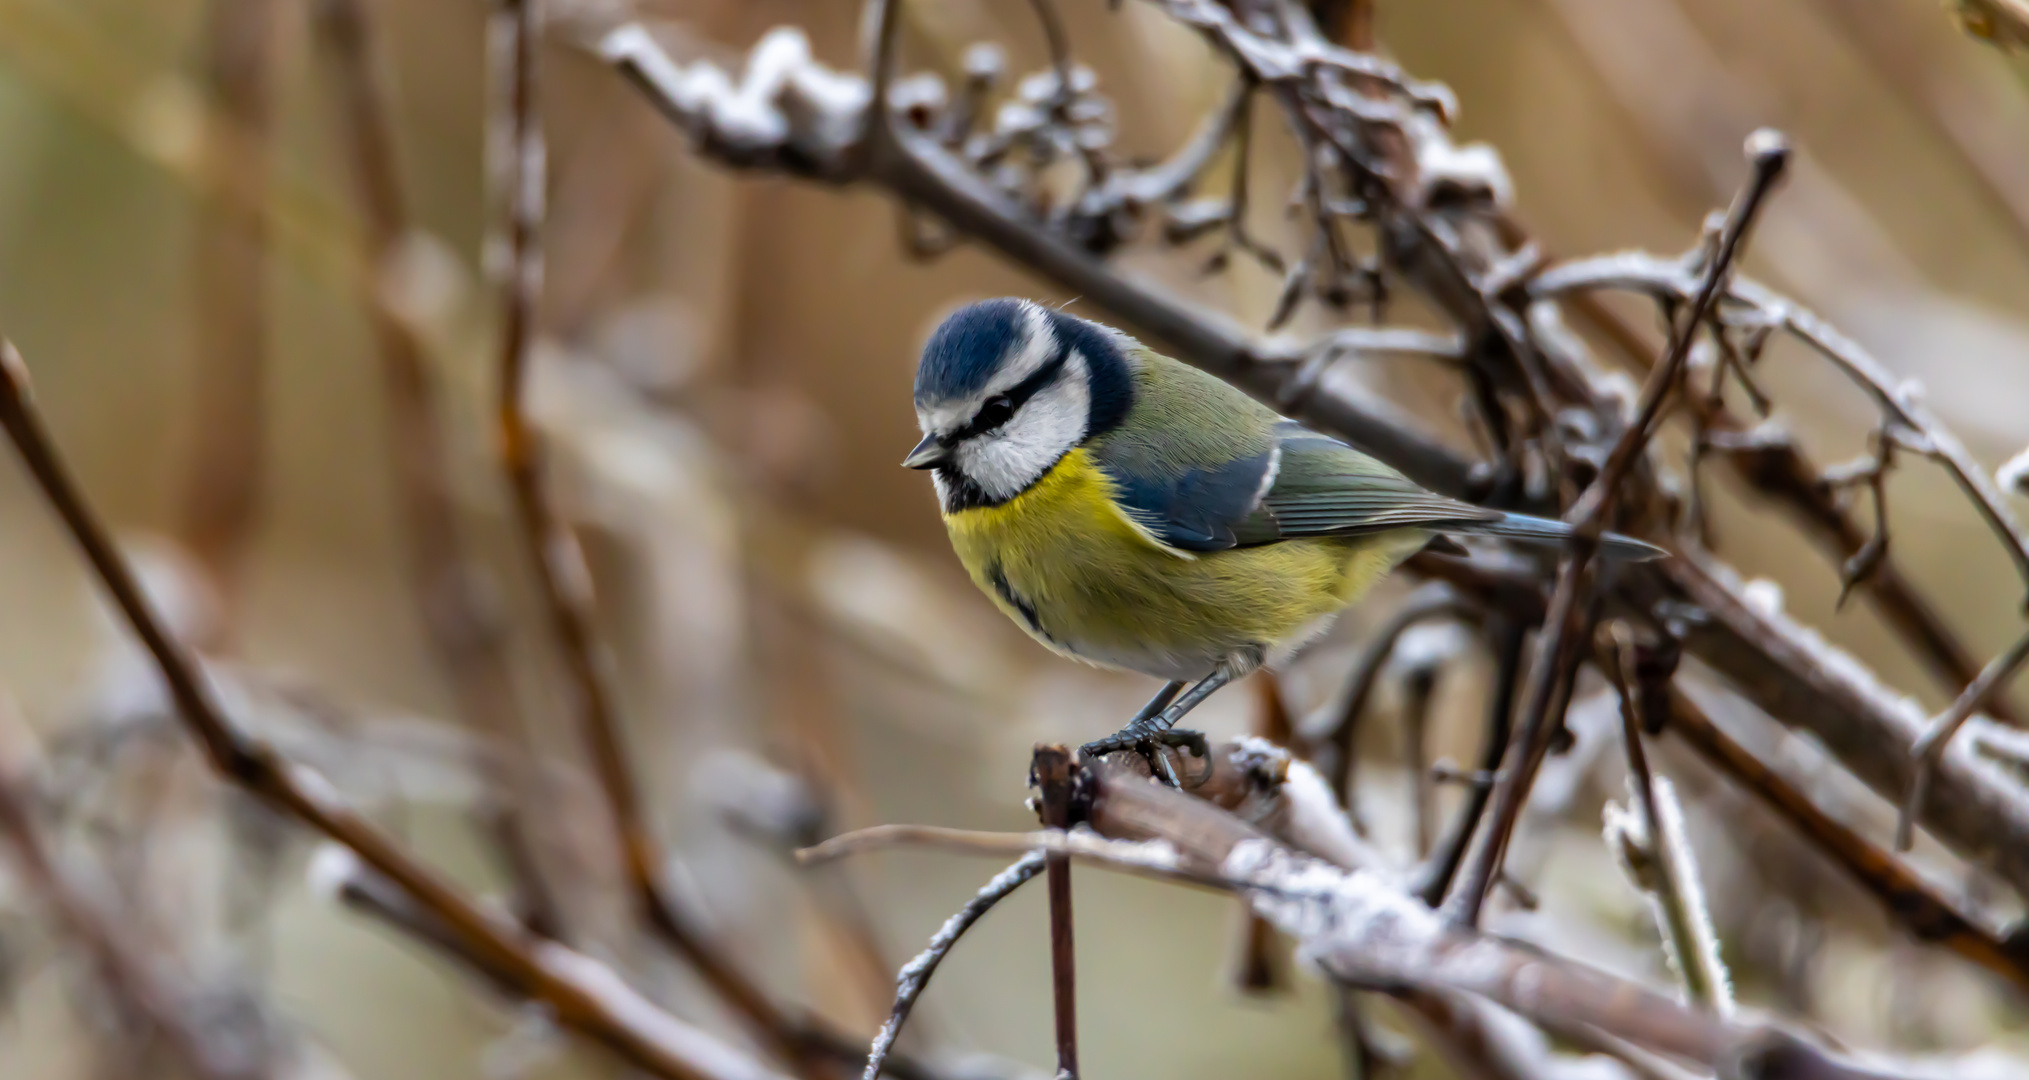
column 1134, row 512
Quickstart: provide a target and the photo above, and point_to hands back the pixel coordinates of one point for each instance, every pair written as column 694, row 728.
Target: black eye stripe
column 1019, row 394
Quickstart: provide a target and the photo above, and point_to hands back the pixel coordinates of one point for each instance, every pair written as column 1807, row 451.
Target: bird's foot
column 1144, row 737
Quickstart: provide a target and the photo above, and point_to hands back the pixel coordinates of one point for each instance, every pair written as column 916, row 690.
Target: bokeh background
column 724, row 373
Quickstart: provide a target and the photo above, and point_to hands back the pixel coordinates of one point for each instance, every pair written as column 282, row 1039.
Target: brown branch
column 1358, row 928
column 1434, row 877
column 918, row 169
column 450, row 586
column 915, row 975
column 1929, row 746
column 551, row 974
column 1550, row 671
column 1904, row 895
column 1769, row 463
column 1913, row 424
column 1052, row 769
column 1256, row 969
column 1431, row 602
column 1906, row 423
column 1767, row 153
column 559, row 559
column 221, row 492
column 1661, row 862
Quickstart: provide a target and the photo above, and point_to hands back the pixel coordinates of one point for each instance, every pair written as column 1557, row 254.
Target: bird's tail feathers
column 1535, row 530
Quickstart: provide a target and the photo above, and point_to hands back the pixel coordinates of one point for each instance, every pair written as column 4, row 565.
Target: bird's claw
column 1143, row 740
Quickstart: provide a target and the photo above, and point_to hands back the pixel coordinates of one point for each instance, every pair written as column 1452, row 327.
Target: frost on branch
column 2014, row 475
column 1663, row 868
column 788, row 110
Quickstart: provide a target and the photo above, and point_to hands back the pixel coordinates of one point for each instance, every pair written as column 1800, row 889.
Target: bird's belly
column 1066, row 565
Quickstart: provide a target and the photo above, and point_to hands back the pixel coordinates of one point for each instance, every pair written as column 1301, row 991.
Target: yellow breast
column 1064, row 561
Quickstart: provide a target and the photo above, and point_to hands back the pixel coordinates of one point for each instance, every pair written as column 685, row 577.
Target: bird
column 1133, row 512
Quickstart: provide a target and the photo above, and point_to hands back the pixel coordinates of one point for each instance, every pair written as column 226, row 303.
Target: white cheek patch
column 1005, row 462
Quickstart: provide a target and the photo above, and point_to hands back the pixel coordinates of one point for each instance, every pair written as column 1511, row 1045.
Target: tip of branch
column 13, row 370
column 1768, row 150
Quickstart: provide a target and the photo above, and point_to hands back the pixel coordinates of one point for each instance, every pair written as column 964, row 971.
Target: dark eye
column 998, row 410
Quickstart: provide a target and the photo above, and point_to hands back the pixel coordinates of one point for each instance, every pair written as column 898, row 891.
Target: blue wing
column 1301, row 484
column 1194, row 508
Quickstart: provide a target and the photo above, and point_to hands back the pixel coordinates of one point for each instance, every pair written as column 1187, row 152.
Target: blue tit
column 1134, row 512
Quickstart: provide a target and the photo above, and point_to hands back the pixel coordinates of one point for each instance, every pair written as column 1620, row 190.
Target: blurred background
column 723, row 373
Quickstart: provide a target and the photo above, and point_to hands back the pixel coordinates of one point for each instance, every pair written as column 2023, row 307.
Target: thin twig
column 1922, row 432
column 1547, row 674
column 1769, row 462
column 559, row 559
column 1359, row 929
column 1667, row 874
column 448, row 584
column 1931, row 744
column 1256, row 970
column 1904, row 896
column 223, row 487
column 915, row 975
column 1767, row 154
column 1052, row 766
column 1433, row 877
column 1434, row 601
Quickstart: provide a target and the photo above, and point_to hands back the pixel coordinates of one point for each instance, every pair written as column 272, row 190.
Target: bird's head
column 1005, row 389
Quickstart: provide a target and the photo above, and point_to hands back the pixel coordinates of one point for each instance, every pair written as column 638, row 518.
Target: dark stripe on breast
column 1015, row 601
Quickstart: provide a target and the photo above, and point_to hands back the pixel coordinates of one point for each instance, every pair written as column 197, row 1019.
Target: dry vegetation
column 482, row 419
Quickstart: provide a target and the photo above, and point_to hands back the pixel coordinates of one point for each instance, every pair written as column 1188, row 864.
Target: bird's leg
column 1136, row 734
column 1154, row 726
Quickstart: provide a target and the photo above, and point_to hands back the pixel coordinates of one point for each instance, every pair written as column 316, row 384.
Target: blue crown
column 968, row 348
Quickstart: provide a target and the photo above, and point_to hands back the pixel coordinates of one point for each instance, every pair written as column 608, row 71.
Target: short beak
column 928, row 454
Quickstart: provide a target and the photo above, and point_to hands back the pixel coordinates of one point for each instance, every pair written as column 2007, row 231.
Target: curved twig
column 915, row 975
column 1929, row 746
column 1671, row 280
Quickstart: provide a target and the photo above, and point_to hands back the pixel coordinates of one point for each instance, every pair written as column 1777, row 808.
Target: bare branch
column 1768, row 153
column 449, row 585
column 1356, row 925
column 1434, row 601
column 559, row 559
column 223, row 487
column 1903, row 895
column 1930, row 745
column 1916, row 428
column 1052, row 769
column 915, row 975
column 1549, row 670
column 301, row 794
column 821, row 113
column 1657, row 855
